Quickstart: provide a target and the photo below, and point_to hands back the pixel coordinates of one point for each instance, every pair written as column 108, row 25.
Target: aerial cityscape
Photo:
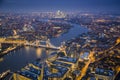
column 59, row 40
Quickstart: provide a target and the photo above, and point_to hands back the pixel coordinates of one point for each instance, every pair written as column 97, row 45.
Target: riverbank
column 10, row 49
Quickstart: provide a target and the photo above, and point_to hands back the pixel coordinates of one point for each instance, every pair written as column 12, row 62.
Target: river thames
column 19, row 58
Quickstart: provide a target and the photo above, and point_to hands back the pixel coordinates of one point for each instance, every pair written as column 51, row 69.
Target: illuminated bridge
column 43, row 44
column 37, row 43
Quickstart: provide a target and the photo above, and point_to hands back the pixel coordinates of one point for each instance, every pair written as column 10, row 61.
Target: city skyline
column 65, row 5
column 59, row 40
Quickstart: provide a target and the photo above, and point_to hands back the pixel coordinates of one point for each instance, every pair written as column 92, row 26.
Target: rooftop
column 28, row 74
column 61, row 72
column 61, row 64
column 104, row 72
column 67, row 59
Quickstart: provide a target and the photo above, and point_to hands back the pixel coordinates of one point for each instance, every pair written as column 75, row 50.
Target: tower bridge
column 43, row 44
column 37, row 43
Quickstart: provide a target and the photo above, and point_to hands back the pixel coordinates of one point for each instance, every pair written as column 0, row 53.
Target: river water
column 19, row 58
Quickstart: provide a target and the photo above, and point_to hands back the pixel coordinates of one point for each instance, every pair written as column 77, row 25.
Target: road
column 85, row 68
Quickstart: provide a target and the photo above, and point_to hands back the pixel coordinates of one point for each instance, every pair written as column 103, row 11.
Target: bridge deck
column 24, row 42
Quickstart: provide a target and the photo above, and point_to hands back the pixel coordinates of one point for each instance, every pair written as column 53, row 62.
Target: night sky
column 65, row 5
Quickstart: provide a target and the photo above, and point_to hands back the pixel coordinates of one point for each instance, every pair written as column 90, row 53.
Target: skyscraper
column 60, row 14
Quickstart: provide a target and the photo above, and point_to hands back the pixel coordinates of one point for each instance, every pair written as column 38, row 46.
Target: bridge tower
column 14, row 32
column 48, row 43
column 63, row 48
column 37, row 42
column 15, row 35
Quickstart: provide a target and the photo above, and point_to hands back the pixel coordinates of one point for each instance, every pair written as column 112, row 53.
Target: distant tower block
column 60, row 14
column 28, row 27
column 25, row 27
